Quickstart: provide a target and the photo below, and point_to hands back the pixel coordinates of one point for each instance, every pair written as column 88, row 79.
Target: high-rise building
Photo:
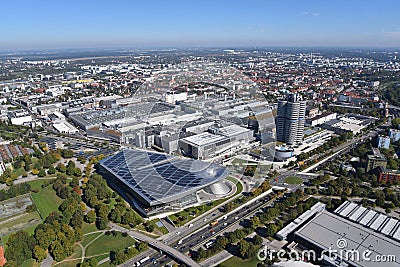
column 290, row 119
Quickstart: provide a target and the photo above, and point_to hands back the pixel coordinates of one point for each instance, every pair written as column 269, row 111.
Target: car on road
column 190, row 225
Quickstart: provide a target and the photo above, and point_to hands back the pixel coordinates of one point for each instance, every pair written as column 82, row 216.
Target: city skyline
column 99, row 24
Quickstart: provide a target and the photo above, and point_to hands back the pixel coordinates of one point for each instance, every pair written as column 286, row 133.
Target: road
column 207, row 233
column 157, row 244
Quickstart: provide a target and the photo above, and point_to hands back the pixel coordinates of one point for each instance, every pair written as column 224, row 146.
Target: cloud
column 307, row 13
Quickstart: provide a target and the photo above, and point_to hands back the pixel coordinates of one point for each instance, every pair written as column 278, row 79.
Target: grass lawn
column 242, row 162
column 105, row 264
column 17, row 173
column 30, row 263
column 87, row 238
column 18, row 223
column 239, row 186
column 88, row 228
column 162, row 229
column 72, row 263
column 236, row 261
column 46, row 201
column 77, row 252
column 105, row 243
column 293, row 180
column 37, row 184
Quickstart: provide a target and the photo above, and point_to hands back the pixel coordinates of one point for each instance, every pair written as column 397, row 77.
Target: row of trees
column 14, row 190
column 120, row 256
column 265, row 224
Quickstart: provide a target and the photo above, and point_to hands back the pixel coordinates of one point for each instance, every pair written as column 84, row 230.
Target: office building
column 383, row 141
column 290, row 119
column 394, row 134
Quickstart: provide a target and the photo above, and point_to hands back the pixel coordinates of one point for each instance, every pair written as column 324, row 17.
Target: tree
column 63, row 192
column 271, row 229
column 42, row 173
column 117, row 257
column 101, row 223
column 102, row 210
column 77, row 219
column 90, row 216
column 81, row 159
column 257, row 240
column 51, row 170
column 70, row 168
column 201, row 252
column 61, row 167
column 77, row 172
column 141, row 246
column 130, row 218
column 44, row 235
column 92, row 262
column 222, row 242
column 39, row 253
column 255, row 222
column 67, row 153
column 243, row 247
column 22, row 245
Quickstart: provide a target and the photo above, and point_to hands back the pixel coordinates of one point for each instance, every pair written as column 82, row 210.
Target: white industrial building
column 215, row 141
column 320, row 119
column 65, row 127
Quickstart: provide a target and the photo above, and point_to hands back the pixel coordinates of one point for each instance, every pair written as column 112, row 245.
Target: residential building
column 376, row 160
column 388, row 176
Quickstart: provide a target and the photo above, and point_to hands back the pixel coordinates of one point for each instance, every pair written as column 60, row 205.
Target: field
column 46, row 201
column 97, row 245
column 19, row 222
column 293, row 180
column 13, row 216
column 105, row 243
column 14, row 206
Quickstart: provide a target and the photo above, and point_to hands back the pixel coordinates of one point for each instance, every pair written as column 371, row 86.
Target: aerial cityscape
column 200, row 133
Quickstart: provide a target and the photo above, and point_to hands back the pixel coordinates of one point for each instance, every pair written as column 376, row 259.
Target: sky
column 198, row 23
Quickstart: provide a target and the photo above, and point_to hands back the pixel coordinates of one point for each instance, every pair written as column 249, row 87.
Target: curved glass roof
column 160, row 178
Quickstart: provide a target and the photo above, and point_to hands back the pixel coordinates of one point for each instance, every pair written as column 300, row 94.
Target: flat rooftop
column 327, row 228
column 204, row 139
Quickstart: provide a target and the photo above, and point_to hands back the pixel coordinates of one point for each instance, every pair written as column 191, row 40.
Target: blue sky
column 190, row 23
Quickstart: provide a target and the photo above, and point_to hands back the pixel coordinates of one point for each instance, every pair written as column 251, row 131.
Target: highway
column 157, row 244
column 206, row 233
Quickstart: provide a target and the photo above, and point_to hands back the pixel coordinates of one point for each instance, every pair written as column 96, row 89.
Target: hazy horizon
column 181, row 24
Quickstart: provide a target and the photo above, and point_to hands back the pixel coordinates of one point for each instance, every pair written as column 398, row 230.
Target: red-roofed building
column 2, row 258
